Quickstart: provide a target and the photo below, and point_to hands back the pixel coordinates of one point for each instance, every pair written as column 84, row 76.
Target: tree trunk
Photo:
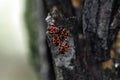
column 92, row 27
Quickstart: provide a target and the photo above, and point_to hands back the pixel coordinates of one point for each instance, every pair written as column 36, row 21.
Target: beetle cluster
column 59, row 37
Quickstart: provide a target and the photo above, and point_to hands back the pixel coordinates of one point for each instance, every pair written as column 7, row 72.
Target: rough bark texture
column 92, row 31
column 93, row 35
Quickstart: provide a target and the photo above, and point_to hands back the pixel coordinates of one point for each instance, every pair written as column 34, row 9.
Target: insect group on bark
column 59, row 37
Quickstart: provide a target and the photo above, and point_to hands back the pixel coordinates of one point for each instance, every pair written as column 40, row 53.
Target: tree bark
column 92, row 28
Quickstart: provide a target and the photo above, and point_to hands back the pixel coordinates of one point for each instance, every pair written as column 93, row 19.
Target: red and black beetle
column 55, row 40
column 64, row 33
column 63, row 48
column 52, row 29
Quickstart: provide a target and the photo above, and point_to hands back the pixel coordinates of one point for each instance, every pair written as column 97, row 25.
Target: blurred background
column 14, row 42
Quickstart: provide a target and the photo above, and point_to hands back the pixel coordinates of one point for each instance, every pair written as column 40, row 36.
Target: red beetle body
column 53, row 29
column 55, row 40
column 63, row 48
column 64, row 34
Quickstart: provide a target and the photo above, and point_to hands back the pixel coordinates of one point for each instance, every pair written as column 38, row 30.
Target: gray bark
column 91, row 33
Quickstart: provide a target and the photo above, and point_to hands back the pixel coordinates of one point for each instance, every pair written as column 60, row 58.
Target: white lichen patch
column 65, row 59
column 61, row 59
